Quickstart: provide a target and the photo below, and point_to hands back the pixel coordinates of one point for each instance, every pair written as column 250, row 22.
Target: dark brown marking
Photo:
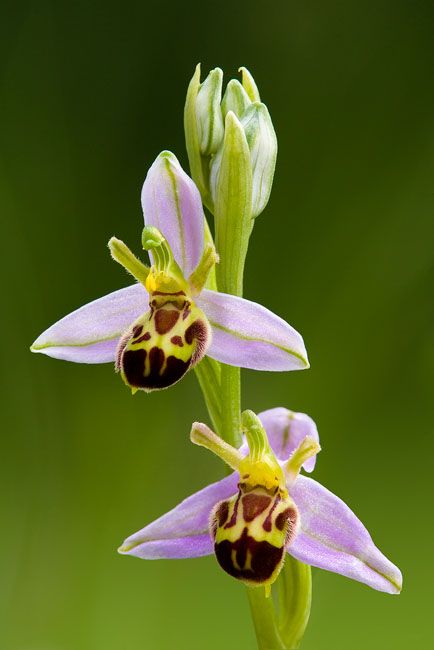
column 137, row 330
column 168, row 293
column 186, row 314
column 242, row 548
column 197, row 331
column 282, row 518
column 287, row 517
column 175, row 369
column 193, row 331
column 219, row 516
column 233, row 519
column 254, row 505
column 165, row 320
column 265, row 558
column 133, row 366
column 268, row 523
column 177, row 340
column 145, row 337
column 156, row 360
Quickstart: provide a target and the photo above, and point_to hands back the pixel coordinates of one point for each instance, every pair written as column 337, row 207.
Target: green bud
column 231, row 183
column 262, row 142
column 249, row 85
column 209, row 114
column 199, row 165
column 235, row 99
column 205, row 114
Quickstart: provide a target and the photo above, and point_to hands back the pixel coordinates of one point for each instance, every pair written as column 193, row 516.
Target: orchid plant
column 266, row 523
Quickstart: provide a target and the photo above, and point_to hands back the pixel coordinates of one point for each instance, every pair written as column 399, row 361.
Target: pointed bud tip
column 249, row 84
column 232, row 119
column 216, row 72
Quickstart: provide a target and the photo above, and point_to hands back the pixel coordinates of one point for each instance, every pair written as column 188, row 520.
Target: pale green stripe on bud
column 233, row 206
column 209, row 114
column 235, row 99
column 262, row 142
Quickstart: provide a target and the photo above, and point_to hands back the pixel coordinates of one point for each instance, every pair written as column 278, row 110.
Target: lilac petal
column 171, row 202
column 183, row 531
column 331, row 537
column 91, row 333
column 286, row 430
column 248, row 335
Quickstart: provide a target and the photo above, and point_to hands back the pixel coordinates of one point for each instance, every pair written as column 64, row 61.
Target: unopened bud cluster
column 211, row 115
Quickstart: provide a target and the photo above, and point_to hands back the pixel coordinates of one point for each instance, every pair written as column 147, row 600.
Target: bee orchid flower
column 265, row 509
column 158, row 328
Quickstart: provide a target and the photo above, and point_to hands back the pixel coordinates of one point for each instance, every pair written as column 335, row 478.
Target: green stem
column 230, row 391
column 295, row 585
column 208, row 374
column 280, row 622
column 263, row 615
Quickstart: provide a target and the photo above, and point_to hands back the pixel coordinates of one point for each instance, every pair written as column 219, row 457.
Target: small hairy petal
column 91, row 333
column 171, row 202
column 183, row 531
column 248, row 335
column 331, row 537
column 286, row 430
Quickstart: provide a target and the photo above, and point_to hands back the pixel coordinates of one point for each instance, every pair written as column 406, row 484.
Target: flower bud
column 262, row 142
column 204, row 123
column 208, row 113
column 261, row 139
column 249, row 85
column 235, row 99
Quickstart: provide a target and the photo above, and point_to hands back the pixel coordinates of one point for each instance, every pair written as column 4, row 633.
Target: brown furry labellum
column 251, row 532
column 163, row 344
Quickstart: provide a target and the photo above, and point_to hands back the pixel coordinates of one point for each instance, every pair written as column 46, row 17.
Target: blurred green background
column 89, row 95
